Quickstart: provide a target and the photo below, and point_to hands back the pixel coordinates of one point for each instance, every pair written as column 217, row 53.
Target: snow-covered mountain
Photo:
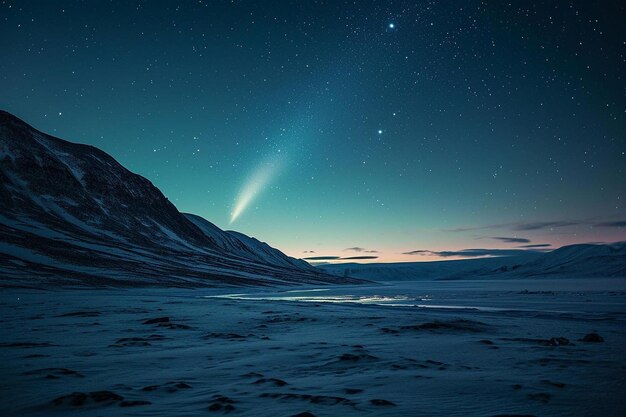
column 573, row 261
column 582, row 260
column 412, row 271
column 246, row 247
column 71, row 214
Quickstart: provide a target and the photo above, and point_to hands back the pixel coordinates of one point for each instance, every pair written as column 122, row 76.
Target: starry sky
column 333, row 130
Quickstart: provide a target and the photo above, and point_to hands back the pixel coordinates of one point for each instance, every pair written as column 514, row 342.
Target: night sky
column 404, row 130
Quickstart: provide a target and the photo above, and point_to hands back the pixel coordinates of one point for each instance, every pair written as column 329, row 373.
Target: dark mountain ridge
column 71, row 214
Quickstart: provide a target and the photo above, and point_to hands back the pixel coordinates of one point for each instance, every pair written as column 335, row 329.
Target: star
column 380, row 132
column 392, row 25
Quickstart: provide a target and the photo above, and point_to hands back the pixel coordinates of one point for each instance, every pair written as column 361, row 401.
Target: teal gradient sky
column 463, row 124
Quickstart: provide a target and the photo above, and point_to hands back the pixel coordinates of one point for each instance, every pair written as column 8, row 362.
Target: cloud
column 483, row 227
column 619, row 223
column 468, row 253
column 521, row 226
column 360, row 249
column 355, row 249
column 475, row 253
column 536, row 245
column 539, row 225
column 334, row 258
column 544, row 225
column 511, row 239
column 418, row 252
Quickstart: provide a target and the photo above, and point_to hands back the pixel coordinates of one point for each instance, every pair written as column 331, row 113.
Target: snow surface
column 476, row 348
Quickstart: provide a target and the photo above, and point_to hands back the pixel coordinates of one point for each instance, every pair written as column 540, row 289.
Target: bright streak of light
column 257, row 182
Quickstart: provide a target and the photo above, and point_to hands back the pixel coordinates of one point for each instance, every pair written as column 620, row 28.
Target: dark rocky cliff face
column 70, row 213
column 40, row 172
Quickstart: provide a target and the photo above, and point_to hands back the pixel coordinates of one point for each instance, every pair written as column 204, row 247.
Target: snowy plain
column 454, row 348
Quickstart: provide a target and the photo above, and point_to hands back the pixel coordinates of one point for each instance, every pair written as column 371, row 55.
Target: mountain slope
column 245, row 246
column 71, row 214
column 582, row 260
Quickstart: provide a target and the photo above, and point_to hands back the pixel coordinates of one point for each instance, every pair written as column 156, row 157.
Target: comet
column 287, row 142
column 259, row 180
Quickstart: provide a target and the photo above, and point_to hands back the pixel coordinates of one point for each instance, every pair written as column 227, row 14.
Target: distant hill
column 583, row 260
